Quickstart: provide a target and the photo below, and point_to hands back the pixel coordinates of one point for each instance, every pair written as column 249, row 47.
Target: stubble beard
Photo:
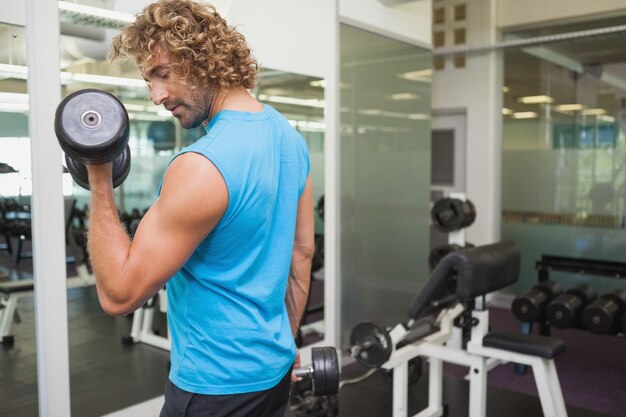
column 197, row 108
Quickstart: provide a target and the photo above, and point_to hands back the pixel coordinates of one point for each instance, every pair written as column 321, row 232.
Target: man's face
column 189, row 105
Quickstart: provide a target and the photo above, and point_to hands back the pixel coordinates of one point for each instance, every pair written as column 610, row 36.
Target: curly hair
column 204, row 50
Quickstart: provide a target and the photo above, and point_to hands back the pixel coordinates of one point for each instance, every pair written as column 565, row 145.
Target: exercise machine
column 455, row 293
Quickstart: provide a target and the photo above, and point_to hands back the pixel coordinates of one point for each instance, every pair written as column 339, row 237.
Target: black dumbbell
column 530, row 306
column 604, row 314
column 92, row 128
column 451, row 214
column 566, row 309
column 323, row 371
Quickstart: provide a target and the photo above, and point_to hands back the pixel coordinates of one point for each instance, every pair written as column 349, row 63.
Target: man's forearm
column 108, row 246
column 298, row 288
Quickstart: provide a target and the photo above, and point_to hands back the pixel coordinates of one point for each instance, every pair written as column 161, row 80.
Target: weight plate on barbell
column 372, row 343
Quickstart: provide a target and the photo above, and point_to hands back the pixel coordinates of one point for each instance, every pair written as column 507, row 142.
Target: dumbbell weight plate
column 452, row 214
column 565, row 310
column 602, row 315
column 530, row 306
column 91, row 126
column 331, row 371
column 121, row 169
column 325, row 371
column 374, row 344
column 319, row 379
column 599, row 316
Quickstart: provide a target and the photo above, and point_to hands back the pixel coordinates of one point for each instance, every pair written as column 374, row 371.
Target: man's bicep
column 192, row 201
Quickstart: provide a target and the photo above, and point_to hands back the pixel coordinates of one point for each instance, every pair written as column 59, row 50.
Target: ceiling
column 84, row 49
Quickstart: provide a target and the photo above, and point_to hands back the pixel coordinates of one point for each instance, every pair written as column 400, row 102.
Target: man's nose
column 159, row 94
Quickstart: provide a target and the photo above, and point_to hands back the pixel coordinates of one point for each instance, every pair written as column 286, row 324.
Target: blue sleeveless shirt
column 226, row 307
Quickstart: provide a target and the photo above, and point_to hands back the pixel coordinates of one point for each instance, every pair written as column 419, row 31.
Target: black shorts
column 268, row 403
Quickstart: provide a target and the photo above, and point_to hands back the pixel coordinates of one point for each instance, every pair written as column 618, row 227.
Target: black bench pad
column 543, row 346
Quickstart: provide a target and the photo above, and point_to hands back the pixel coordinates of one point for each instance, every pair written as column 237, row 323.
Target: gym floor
column 107, row 376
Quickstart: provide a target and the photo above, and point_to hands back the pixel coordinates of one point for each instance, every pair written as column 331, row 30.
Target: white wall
column 14, row 15
column 410, row 21
column 531, row 12
column 289, row 35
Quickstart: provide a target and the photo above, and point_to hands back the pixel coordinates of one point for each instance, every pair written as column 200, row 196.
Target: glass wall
column 385, row 176
column 564, row 152
column 300, row 98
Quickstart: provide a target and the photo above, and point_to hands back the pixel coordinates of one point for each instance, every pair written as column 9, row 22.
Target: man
column 231, row 232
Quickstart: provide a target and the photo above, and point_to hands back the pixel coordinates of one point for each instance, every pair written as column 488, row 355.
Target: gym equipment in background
column 566, row 310
column 457, row 288
column 605, row 313
column 451, row 214
column 531, row 305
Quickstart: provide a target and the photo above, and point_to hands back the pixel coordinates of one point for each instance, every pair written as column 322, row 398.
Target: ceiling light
column 13, row 107
column 135, row 107
column 309, row 126
column 308, row 102
column 419, row 116
column 570, row 107
column 107, row 80
column 14, row 97
column 505, row 89
column 318, row 83
column 507, row 112
column 402, row 96
column 21, row 72
column 536, row 99
column 370, row 112
column 95, row 12
column 525, row 115
column 593, row 112
column 424, row 75
column 606, row 118
column 13, row 71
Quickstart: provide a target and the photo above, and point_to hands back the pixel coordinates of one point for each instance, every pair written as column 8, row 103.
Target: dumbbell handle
column 305, row 372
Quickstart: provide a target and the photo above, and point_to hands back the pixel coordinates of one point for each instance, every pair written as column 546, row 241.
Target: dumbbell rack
column 582, row 266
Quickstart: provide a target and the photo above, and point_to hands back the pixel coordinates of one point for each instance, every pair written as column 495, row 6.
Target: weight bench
column 10, row 294
column 453, row 300
column 143, row 320
column 12, row 290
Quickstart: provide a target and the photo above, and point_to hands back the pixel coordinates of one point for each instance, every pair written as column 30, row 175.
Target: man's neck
column 237, row 99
